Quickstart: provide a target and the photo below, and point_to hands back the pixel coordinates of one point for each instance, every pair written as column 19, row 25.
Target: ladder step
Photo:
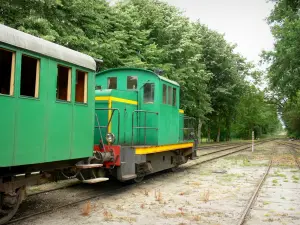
column 96, row 180
column 87, row 166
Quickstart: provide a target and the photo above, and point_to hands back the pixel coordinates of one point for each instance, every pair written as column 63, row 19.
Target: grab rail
column 140, row 127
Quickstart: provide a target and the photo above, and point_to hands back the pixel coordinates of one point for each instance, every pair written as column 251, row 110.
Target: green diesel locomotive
column 58, row 114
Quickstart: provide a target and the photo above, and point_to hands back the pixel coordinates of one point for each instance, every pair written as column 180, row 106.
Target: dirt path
column 211, row 193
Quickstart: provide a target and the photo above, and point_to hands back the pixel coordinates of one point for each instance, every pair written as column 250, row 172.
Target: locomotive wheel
column 139, row 179
column 9, row 204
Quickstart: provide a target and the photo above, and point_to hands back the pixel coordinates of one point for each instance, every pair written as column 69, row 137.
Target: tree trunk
column 199, row 131
column 218, row 137
column 208, row 134
column 228, row 131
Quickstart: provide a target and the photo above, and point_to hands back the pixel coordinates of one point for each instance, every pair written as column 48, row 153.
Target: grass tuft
column 206, row 196
column 86, row 209
column 107, row 215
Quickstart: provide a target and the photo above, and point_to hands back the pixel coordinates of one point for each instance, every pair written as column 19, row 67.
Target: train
column 59, row 113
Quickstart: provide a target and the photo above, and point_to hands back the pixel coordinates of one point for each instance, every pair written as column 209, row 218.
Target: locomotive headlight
column 110, row 138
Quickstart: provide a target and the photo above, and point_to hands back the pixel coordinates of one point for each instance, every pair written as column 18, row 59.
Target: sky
column 243, row 22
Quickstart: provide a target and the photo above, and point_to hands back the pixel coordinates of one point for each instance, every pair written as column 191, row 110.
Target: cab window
column 174, row 96
column 149, row 93
column 81, row 87
column 112, row 83
column 170, row 95
column 7, row 67
column 164, row 94
column 30, row 73
column 63, row 84
column 132, row 82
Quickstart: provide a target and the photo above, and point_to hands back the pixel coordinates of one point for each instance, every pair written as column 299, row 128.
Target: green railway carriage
column 47, row 105
column 46, row 112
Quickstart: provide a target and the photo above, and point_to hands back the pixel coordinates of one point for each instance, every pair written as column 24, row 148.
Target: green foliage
column 284, row 70
column 153, row 35
column 291, row 116
column 255, row 114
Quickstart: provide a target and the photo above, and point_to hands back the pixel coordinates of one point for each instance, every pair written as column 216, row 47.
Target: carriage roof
column 38, row 45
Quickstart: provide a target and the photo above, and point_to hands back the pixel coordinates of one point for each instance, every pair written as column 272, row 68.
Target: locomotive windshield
column 149, row 93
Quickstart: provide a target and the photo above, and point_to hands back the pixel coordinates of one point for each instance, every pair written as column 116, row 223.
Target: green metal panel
column 167, row 120
column 7, row 124
column 102, row 119
column 8, row 106
column 30, row 124
column 83, row 122
column 181, row 126
column 124, row 109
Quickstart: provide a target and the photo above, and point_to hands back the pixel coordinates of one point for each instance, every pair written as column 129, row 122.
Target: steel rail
column 207, row 146
column 118, row 189
column 230, row 153
column 70, row 204
column 210, row 153
column 55, row 189
column 253, row 197
column 218, row 146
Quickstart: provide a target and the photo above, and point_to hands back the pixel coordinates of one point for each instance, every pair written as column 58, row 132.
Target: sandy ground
column 211, row 193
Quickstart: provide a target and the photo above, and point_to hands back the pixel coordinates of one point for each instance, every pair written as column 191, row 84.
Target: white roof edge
column 167, row 80
column 32, row 43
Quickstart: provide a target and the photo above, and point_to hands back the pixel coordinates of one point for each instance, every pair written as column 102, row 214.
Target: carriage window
column 112, row 83
column 30, row 72
column 170, row 95
column 149, row 93
column 7, row 71
column 174, row 96
column 81, row 87
column 63, row 85
column 132, row 82
column 164, row 94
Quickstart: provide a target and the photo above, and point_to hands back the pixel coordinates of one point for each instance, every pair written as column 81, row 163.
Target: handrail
column 189, row 126
column 141, row 127
column 110, row 119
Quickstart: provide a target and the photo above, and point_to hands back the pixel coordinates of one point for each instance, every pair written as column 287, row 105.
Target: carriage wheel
column 9, row 204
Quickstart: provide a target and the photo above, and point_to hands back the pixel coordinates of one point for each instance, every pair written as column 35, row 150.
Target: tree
column 284, row 69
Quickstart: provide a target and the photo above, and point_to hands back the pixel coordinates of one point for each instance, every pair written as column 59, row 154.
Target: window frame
column 85, row 92
column 165, row 94
column 12, row 72
column 116, row 83
column 170, row 95
column 174, row 102
column 37, row 77
column 69, row 88
column 152, row 91
column 136, row 87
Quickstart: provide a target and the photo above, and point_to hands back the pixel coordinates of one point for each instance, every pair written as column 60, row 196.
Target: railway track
column 254, row 196
column 78, row 183
column 219, row 145
column 119, row 189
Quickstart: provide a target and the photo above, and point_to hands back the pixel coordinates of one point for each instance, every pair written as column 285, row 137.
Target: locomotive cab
column 141, row 110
